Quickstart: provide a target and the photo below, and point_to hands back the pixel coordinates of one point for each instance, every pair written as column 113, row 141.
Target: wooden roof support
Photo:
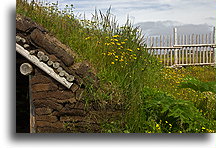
column 42, row 66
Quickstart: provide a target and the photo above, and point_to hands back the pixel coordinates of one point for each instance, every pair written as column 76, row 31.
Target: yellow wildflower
column 157, row 125
column 116, row 56
column 122, row 42
column 203, row 128
column 87, row 38
column 121, row 60
column 112, row 62
column 112, row 43
column 125, row 39
column 109, row 53
column 115, row 36
column 118, row 44
column 107, row 44
column 129, row 49
column 138, row 48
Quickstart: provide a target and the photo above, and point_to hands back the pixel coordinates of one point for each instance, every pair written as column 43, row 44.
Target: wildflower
column 112, row 62
column 170, row 125
column 109, row 53
column 122, row 42
column 115, row 40
column 107, row 44
column 203, row 128
column 138, row 48
column 129, row 49
column 157, row 125
column 166, row 121
column 87, row 38
column 125, row 39
column 121, row 60
column 115, row 36
column 116, row 56
column 116, row 59
column 118, row 44
column 112, row 43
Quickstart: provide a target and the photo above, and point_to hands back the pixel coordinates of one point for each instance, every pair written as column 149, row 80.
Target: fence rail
column 182, row 50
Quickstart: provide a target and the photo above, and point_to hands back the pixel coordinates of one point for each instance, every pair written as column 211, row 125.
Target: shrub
column 160, row 112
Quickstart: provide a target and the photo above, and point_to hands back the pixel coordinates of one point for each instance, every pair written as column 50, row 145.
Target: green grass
column 127, row 73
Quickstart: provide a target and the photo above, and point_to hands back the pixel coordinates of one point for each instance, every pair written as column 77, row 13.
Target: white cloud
column 184, row 11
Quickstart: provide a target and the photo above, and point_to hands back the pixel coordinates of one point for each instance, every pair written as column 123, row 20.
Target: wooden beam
column 42, row 66
column 26, row 69
column 195, row 45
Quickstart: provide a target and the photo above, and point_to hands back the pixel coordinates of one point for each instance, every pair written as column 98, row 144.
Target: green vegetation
column 152, row 99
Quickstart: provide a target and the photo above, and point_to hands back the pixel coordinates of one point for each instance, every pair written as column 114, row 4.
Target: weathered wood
column 26, row 69
column 70, row 78
column 53, row 46
column 50, row 63
column 180, row 46
column 56, row 65
column 40, row 54
column 42, row 66
column 26, row 46
column 187, row 49
column 214, row 35
column 45, row 58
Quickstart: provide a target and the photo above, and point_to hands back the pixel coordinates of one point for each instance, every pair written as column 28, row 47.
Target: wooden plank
column 157, row 51
column 196, row 49
column 42, row 66
column 175, row 36
column 203, row 51
column 32, row 109
column 214, row 35
column 214, row 50
column 207, row 49
column 177, row 47
column 192, row 48
column 195, row 45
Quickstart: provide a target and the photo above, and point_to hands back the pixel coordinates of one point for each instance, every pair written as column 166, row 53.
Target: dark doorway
column 22, row 99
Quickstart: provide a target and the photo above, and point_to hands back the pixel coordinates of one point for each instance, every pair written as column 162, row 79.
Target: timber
column 33, row 59
column 26, row 69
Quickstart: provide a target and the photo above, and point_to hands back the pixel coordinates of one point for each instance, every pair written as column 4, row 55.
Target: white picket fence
column 182, row 50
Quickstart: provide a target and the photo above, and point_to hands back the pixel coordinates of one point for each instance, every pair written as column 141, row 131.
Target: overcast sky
column 151, row 12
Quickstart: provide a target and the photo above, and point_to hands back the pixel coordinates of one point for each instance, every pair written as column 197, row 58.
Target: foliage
column 159, row 112
column 193, row 83
column 128, row 74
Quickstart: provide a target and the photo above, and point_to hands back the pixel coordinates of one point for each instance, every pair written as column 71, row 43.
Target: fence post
column 175, row 43
column 214, row 50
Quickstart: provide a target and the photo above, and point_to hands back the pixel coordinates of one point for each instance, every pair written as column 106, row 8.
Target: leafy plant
column 195, row 84
column 161, row 112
